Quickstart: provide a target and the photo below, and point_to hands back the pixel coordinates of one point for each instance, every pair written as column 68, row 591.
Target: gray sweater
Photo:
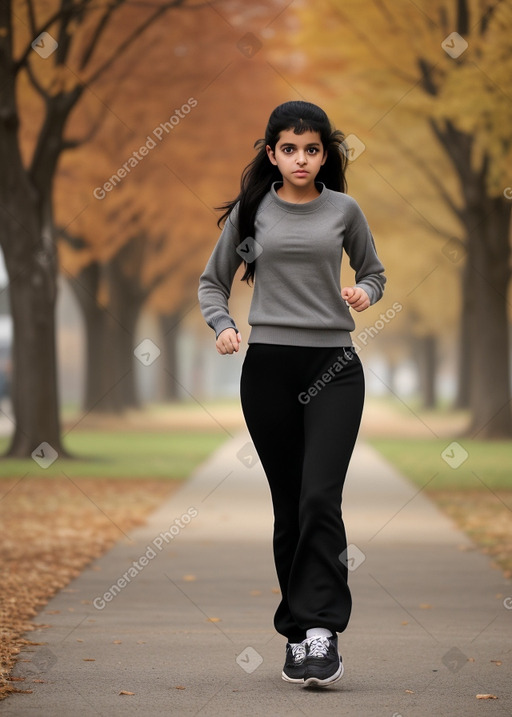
column 297, row 294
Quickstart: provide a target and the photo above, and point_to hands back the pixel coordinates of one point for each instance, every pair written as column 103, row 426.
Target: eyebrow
column 291, row 144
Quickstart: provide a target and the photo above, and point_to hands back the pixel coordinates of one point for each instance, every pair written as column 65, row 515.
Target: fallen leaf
column 79, row 639
column 496, row 662
column 409, row 692
column 276, row 591
column 486, row 697
column 89, row 659
column 255, row 592
column 117, row 642
column 214, row 619
column 189, row 578
column 180, row 687
column 125, row 692
column 425, row 606
column 16, row 679
column 42, row 682
column 141, row 642
column 405, row 622
column 471, row 659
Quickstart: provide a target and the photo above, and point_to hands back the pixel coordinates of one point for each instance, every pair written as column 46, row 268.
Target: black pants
column 303, row 408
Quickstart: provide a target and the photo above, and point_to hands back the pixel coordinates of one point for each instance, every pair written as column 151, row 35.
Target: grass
column 477, row 494
column 123, row 454
column 488, row 465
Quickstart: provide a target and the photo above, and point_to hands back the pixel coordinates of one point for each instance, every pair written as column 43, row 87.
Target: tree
column 168, row 198
column 459, row 91
column 58, row 56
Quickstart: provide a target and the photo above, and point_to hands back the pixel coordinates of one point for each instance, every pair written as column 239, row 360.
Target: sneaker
column 294, row 666
column 323, row 663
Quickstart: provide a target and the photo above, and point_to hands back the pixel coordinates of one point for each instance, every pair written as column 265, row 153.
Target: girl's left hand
column 356, row 298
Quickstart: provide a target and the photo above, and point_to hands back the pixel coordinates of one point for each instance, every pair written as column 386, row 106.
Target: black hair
column 260, row 173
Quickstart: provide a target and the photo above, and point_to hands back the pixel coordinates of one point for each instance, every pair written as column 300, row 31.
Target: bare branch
column 462, row 17
column 96, row 36
column 31, row 17
column 35, row 82
column 396, row 71
column 427, row 76
column 77, row 10
column 125, row 45
column 429, row 173
column 64, row 38
column 487, row 16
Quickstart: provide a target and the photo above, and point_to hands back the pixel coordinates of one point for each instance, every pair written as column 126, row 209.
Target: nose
column 301, row 157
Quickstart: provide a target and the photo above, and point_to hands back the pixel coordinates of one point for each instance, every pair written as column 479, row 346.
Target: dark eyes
column 310, row 150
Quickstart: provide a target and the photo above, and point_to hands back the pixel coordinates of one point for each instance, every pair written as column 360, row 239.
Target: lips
column 301, row 171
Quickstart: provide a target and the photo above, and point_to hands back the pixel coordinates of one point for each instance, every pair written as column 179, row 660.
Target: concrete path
column 187, row 626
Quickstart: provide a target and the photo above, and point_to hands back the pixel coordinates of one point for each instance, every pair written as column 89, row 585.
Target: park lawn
column 476, row 494
column 55, row 521
column 122, row 454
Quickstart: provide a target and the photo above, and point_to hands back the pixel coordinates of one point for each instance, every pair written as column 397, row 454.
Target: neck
column 297, row 195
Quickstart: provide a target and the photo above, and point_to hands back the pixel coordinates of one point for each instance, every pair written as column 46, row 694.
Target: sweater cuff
column 223, row 323
column 370, row 291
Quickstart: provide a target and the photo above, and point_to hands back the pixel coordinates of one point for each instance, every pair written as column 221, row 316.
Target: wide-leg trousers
column 302, row 407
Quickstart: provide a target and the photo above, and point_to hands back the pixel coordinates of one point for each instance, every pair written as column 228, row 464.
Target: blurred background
column 426, row 114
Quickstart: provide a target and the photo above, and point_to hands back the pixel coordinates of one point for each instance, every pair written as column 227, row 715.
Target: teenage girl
column 302, row 384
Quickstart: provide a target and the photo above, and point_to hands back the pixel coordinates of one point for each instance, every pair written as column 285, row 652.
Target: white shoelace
column 318, row 646
column 299, row 652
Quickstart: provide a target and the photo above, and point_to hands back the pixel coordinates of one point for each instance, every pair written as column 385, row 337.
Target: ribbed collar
column 302, row 208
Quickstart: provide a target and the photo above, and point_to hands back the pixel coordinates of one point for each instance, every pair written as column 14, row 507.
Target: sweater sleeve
column 360, row 248
column 217, row 278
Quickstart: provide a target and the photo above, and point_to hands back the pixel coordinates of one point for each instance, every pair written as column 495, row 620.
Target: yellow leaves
column 125, row 692
column 486, row 697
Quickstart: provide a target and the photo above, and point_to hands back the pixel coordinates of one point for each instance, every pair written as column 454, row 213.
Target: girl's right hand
column 228, row 341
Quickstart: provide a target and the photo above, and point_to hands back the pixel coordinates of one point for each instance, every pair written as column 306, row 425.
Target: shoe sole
column 309, row 681
column 297, row 681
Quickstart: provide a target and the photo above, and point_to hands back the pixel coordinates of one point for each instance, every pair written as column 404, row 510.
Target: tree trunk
column 426, row 347
column 86, row 287
column 27, row 244
column 35, row 394
column 463, row 395
column 170, row 325
column 124, row 307
column 488, row 265
column 485, row 287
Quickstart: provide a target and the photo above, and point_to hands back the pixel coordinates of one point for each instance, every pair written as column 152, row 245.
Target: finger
column 361, row 305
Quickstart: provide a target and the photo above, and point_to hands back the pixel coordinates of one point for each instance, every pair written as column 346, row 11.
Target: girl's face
column 298, row 157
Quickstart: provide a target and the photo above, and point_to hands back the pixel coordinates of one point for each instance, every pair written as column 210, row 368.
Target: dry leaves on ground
column 485, row 517
column 52, row 528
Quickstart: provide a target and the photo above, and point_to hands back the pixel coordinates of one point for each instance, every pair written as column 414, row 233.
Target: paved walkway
column 190, row 633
